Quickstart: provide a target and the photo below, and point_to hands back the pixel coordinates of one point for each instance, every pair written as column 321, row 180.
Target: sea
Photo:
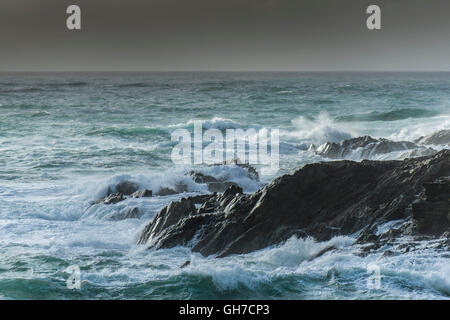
column 65, row 138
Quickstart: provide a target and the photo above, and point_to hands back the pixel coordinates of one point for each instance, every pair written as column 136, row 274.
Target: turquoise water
column 65, row 138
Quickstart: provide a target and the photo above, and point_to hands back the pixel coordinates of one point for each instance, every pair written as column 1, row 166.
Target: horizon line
column 224, row 71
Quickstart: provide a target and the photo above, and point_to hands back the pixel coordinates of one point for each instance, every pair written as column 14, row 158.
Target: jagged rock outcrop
column 438, row 138
column 367, row 147
column 111, row 199
column 320, row 200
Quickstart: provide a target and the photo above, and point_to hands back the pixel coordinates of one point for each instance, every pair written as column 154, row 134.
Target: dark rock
column 220, row 186
column 126, row 187
column 388, row 253
column 167, row 217
column 180, row 187
column 322, row 252
column 200, row 199
column 142, row 193
column 431, row 217
column 367, row 236
column 368, row 248
column 321, row 200
column 438, row 190
column 438, row 138
column 184, row 265
column 370, row 147
column 391, row 234
column 432, row 214
column 166, row 192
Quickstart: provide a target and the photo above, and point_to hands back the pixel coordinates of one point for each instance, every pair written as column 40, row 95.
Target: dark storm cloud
column 224, row 35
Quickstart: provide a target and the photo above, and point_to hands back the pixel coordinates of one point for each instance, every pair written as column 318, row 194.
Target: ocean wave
column 68, row 84
column 139, row 85
column 310, row 276
column 127, row 132
column 413, row 131
column 23, row 90
column 41, row 114
column 319, row 130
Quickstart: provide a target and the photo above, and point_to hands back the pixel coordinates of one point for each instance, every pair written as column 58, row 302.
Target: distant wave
column 65, row 84
column 71, row 84
column 143, row 85
column 388, row 116
column 22, row 90
column 40, row 114
column 41, row 87
column 128, row 132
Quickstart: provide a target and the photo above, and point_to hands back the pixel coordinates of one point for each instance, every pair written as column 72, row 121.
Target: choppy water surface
column 65, row 138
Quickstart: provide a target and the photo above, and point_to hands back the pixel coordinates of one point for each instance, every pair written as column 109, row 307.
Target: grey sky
column 230, row 35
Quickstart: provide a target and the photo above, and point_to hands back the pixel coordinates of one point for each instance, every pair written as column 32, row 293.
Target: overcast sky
column 229, row 35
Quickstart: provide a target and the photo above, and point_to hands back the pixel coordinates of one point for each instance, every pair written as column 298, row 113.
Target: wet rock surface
column 320, row 200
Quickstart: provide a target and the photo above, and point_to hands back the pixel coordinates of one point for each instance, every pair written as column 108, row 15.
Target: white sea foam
column 319, row 130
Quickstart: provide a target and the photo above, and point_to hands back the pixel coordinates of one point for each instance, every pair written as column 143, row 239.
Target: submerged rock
column 321, row 200
column 184, row 265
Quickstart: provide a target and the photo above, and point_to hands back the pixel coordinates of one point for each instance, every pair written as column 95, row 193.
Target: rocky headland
column 320, row 200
